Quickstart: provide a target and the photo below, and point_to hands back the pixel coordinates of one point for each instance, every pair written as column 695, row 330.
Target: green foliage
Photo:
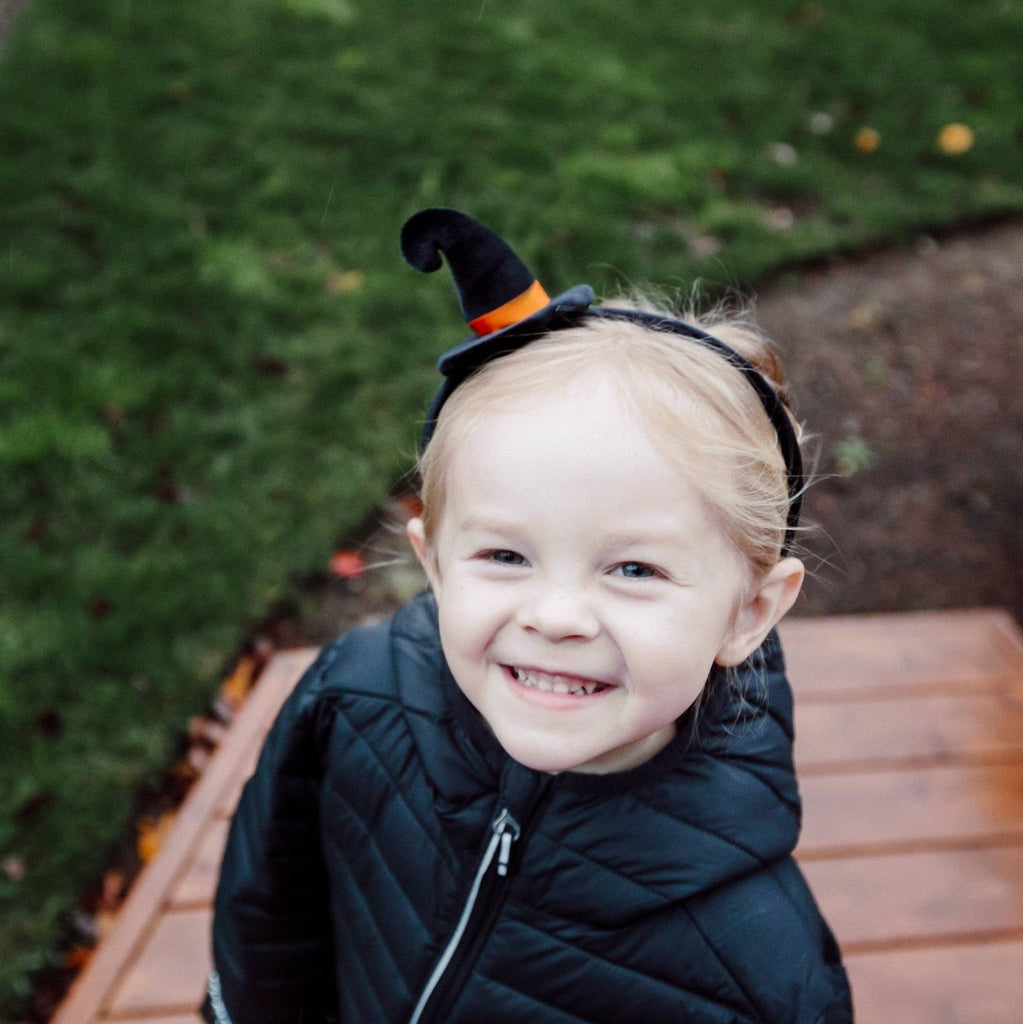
column 212, row 360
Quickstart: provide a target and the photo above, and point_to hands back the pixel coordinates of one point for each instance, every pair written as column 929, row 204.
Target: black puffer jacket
column 389, row 863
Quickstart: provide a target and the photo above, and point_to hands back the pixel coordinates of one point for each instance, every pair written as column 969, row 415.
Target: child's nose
column 558, row 613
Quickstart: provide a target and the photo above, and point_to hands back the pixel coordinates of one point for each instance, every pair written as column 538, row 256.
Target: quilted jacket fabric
column 389, row 863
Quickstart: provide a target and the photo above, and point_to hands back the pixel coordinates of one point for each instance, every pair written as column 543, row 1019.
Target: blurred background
column 213, row 362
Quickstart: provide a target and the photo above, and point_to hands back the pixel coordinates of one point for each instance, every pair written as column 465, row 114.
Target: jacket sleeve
column 272, row 950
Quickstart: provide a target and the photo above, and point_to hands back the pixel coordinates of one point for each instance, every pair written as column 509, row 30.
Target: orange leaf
column 411, row 505
column 868, row 140
column 347, row 563
column 955, row 139
column 236, row 686
column 77, row 957
column 151, row 835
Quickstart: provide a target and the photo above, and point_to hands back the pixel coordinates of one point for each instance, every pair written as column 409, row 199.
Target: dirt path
column 908, row 364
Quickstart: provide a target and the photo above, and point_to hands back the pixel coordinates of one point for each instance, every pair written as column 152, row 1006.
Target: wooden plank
column 198, row 884
column 893, row 900
column 863, row 811
column 980, row 984
column 915, row 650
column 243, row 770
column 980, row 726
column 118, row 950
column 169, row 976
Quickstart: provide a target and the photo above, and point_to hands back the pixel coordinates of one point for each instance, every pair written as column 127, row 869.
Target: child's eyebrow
column 649, row 546
column 654, row 533
column 485, row 524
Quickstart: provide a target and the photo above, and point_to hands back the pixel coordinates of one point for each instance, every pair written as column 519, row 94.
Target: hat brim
column 457, row 363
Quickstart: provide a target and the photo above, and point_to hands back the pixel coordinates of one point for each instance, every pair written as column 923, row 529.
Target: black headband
column 506, row 308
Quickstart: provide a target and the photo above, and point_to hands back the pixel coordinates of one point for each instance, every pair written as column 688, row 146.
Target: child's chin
column 552, row 763
column 545, row 761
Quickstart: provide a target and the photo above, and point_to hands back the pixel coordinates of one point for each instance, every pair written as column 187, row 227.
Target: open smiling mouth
column 550, row 683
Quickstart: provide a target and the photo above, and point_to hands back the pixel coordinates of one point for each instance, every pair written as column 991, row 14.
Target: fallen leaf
column 410, row 506
column 820, row 122
column 955, row 139
column 705, row 245
column 182, row 775
column 236, row 686
column 205, row 731
column 151, row 835
column 782, row 218
column 343, row 282
column 77, row 957
column 112, row 890
column 347, row 563
column 868, row 140
column 14, row 868
column 783, row 154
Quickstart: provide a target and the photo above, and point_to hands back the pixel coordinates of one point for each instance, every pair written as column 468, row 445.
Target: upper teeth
column 555, row 684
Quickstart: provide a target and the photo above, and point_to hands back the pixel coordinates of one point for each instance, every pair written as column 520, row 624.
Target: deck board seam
column 954, row 844
column 943, row 940
column 911, row 762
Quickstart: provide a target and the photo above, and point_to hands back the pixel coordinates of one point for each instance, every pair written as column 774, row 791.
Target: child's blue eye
column 504, row 557
column 637, row 571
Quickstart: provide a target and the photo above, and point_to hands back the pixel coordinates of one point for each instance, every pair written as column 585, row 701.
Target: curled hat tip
column 422, row 236
column 486, row 272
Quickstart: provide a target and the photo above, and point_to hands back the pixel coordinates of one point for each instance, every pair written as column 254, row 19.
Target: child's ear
column 761, row 610
column 424, row 553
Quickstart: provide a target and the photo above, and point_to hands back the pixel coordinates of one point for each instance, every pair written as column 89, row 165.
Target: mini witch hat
column 506, row 307
column 503, row 303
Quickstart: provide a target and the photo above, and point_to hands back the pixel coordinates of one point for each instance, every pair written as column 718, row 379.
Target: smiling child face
column 583, row 587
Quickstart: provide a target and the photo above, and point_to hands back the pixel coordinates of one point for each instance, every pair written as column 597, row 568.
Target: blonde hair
column 699, row 409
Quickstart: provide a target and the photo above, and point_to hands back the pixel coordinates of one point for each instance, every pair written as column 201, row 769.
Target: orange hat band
column 534, row 298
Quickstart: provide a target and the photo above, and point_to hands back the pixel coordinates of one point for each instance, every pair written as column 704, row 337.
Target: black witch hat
column 502, row 301
column 506, row 307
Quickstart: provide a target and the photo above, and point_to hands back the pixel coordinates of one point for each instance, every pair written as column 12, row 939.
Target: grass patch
column 212, row 360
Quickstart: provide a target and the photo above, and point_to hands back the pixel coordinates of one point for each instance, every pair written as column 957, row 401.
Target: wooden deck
column 910, row 748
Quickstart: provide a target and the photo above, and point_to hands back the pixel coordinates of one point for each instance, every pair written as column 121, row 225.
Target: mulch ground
column 912, row 361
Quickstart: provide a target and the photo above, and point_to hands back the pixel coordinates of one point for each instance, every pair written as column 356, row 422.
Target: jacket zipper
column 475, row 919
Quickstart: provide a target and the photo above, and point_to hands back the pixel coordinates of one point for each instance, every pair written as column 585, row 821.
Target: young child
column 559, row 786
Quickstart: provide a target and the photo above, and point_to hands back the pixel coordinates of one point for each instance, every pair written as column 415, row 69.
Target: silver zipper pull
column 507, row 829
